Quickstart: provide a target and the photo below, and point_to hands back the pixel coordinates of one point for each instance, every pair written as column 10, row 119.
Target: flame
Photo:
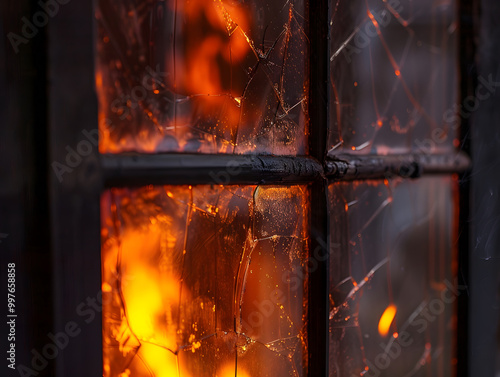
column 204, row 73
column 158, row 307
column 150, row 296
column 386, row 320
column 162, row 362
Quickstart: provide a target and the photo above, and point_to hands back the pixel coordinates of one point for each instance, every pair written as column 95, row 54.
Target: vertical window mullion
column 319, row 257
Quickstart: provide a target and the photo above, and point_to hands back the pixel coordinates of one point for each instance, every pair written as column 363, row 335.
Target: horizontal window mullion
column 348, row 167
column 142, row 169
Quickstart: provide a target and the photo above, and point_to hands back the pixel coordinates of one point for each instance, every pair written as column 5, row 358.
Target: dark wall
column 49, row 227
column 24, row 215
column 484, row 301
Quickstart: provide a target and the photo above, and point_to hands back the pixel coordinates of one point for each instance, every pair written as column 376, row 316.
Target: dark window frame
column 76, row 247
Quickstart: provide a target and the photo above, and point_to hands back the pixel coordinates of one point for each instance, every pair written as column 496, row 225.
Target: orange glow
column 374, row 21
column 214, row 45
column 224, row 37
column 151, row 298
column 106, row 287
column 228, row 371
column 161, row 293
column 386, row 320
column 98, row 81
column 202, row 76
column 163, row 362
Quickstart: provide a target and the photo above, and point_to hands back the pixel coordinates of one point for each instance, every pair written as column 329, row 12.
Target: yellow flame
column 386, row 320
column 161, row 361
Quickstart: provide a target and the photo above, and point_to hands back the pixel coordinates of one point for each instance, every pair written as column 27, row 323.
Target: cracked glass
column 204, row 281
column 393, row 270
column 202, row 76
column 393, row 76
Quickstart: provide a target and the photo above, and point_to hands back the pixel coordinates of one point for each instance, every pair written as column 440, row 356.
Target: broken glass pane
column 393, row 76
column 202, row 76
column 196, row 281
column 393, row 289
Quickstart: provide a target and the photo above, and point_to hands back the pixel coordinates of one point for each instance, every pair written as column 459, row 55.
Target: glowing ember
column 386, row 320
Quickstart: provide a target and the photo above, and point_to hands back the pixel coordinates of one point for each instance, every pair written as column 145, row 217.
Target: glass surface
column 393, row 76
column 196, row 281
column 201, row 76
column 393, row 288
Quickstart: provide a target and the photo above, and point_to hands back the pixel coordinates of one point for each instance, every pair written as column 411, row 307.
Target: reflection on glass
column 198, row 76
column 196, row 281
column 392, row 278
column 393, row 76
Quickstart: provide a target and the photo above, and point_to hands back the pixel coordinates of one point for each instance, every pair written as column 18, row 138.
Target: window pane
column 392, row 277
column 393, row 68
column 202, row 76
column 196, row 280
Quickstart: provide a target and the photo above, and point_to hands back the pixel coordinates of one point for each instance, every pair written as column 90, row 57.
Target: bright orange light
column 397, row 72
column 98, row 80
column 228, row 371
column 386, row 320
column 163, row 362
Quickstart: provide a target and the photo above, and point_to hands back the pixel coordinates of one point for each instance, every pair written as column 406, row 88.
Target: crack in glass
column 200, row 76
column 196, row 281
column 393, row 76
column 392, row 277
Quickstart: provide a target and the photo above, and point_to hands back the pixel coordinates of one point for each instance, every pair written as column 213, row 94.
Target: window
column 220, row 274
column 320, row 178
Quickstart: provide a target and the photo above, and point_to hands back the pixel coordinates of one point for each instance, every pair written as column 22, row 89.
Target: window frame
column 76, row 248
